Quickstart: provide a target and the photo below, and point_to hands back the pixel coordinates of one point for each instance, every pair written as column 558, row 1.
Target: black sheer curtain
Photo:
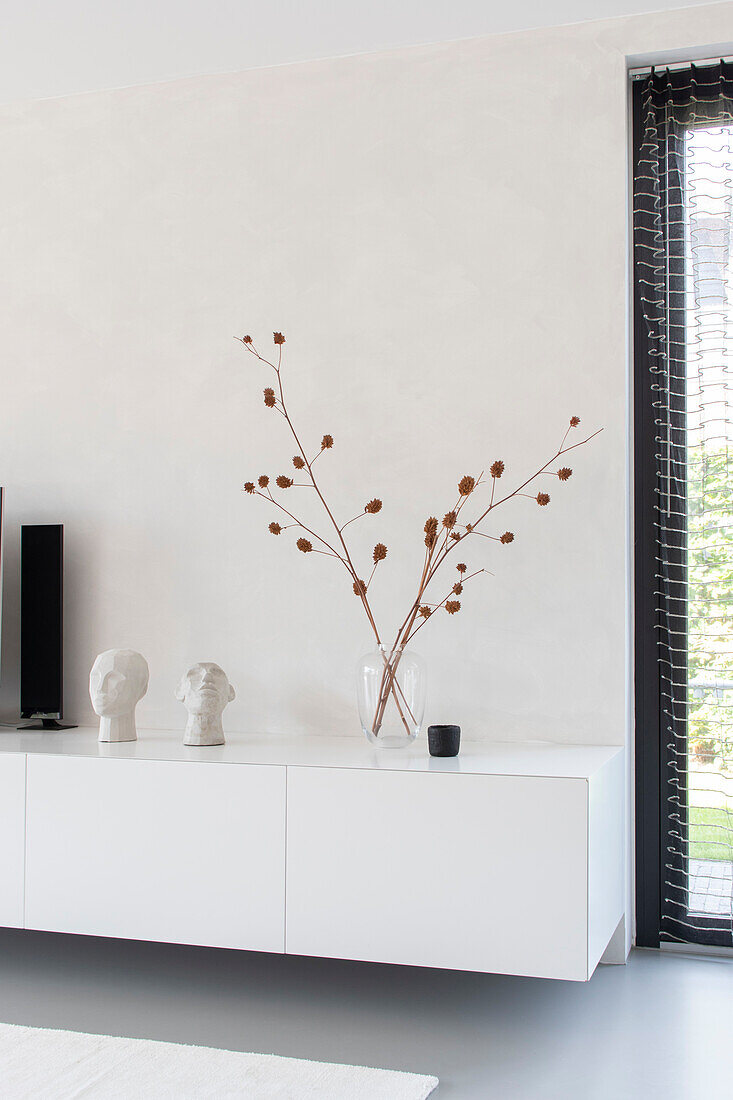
column 683, row 332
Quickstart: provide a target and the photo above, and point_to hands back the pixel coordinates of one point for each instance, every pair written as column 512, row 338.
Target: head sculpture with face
column 117, row 683
column 204, row 690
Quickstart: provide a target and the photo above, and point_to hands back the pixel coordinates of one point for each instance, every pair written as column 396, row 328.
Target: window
column 683, row 331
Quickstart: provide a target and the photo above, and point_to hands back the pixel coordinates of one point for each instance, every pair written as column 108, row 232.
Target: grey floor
column 661, row 1027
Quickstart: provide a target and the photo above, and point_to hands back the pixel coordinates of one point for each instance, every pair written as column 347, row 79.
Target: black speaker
column 42, row 624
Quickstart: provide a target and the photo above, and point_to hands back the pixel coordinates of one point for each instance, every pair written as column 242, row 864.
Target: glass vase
column 391, row 686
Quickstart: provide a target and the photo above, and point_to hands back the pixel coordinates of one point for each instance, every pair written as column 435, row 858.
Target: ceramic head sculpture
column 204, row 691
column 117, row 683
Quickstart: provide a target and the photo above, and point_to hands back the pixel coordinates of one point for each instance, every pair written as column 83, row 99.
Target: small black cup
column 444, row 740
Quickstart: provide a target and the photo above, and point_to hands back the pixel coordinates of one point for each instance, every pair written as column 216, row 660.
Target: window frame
column 661, row 831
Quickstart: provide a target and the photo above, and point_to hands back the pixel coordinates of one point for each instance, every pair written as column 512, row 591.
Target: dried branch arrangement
column 442, row 537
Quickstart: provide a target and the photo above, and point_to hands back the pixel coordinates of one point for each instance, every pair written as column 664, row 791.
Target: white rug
column 38, row 1064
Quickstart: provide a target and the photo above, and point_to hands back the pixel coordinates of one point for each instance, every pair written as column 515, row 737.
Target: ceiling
column 57, row 47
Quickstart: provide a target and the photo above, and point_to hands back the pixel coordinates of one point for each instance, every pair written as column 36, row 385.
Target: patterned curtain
column 683, row 211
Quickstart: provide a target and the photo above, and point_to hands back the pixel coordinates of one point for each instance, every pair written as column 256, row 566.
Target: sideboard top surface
column 533, row 758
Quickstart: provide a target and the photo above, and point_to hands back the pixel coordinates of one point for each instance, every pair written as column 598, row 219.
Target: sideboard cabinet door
column 12, row 839
column 157, row 850
column 466, row 872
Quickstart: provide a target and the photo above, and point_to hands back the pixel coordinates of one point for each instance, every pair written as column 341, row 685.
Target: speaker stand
column 48, row 724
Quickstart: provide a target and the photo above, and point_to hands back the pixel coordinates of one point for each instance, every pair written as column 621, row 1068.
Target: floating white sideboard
column 506, row 859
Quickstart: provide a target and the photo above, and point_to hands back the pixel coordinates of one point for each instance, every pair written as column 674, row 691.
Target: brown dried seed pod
column 449, row 519
column 452, row 606
column 269, row 397
column 263, row 481
column 507, row 537
column 373, row 506
column 564, row 473
column 466, row 485
column 246, row 339
column 430, row 541
column 379, row 553
column 574, row 421
column 455, row 536
column 431, row 526
column 543, row 499
column 274, row 528
column 304, row 546
column 283, row 481
column 278, row 338
column 458, row 588
column 497, row 468
column 249, row 486
column 426, row 612
column 359, row 588
column 326, row 442
column 298, row 462
column 461, row 567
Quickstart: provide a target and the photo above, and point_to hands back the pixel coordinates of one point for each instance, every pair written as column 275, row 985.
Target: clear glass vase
column 391, row 685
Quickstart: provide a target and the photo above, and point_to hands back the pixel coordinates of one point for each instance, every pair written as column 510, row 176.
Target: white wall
column 441, row 234
column 57, row 47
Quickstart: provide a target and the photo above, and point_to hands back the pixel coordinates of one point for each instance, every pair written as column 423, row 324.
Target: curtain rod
column 638, row 72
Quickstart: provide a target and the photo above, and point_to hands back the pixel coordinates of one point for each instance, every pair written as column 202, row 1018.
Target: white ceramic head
column 117, row 683
column 204, row 690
